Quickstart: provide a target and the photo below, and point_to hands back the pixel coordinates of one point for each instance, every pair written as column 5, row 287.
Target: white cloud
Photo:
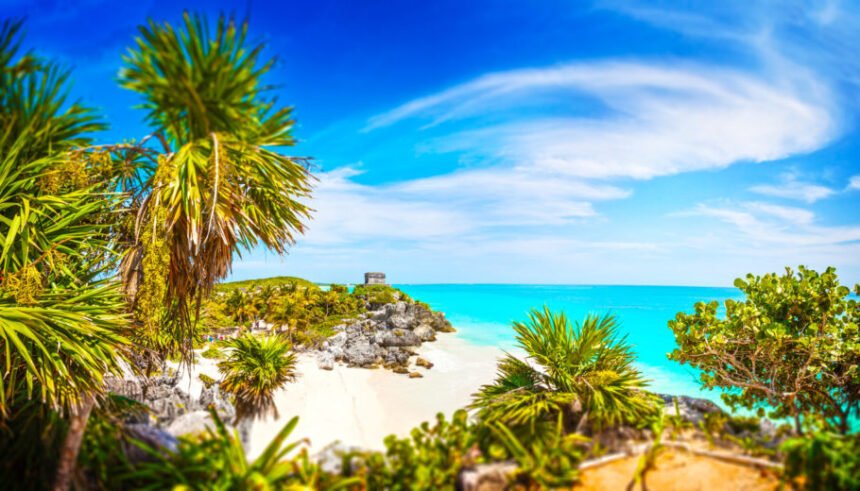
column 797, row 216
column 854, row 182
column 791, row 188
column 346, row 211
column 447, row 205
column 658, row 119
column 780, row 227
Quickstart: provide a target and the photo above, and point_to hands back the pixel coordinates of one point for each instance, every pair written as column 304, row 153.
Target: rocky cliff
column 383, row 337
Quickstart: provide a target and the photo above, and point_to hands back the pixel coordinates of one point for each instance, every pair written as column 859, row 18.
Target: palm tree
column 254, row 369
column 220, row 186
column 60, row 313
column 582, row 370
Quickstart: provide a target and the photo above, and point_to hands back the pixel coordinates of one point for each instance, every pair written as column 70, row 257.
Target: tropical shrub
column 823, row 461
column 583, row 371
column 430, row 459
column 212, row 353
column 792, row 345
column 256, row 367
column 216, row 460
column 544, row 463
column 208, row 381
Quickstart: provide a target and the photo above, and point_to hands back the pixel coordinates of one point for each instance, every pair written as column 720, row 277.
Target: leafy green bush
column 791, row 344
column 216, row 460
column 380, row 294
column 545, row 463
column 207, row 380
column 823, row 461
column 212, row 354
column 338, row 288
column 430, row 459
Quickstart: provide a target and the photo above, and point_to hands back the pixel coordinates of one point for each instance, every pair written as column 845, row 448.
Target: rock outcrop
column 691, row 409
column 384, row 337
column 170, row 407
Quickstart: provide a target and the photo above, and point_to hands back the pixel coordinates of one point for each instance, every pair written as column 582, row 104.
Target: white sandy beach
column 360, row 407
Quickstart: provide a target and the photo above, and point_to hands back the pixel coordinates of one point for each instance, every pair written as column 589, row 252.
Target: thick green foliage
column 376, row 295
column 254, row 369
column 60, row 319
column 212, row 353
column 216, row 461
column 429, row 460
column 220, row 181
column 305, row 311
column 792, row 344
column 582, row 370
column 544, row 463
column 823, row 462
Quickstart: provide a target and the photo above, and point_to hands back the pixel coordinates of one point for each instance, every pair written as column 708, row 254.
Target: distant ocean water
column 483, row 314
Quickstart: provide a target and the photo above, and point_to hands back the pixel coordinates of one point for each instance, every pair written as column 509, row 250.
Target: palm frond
column 255, row 368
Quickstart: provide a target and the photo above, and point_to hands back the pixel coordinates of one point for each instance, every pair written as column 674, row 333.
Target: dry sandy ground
column 679, row 471
column 360, row 407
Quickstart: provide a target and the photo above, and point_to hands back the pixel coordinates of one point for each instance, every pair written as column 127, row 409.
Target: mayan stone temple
column 374, row 278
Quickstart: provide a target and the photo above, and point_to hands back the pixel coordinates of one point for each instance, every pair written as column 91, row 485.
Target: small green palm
column 583, row 370
column 255, row 368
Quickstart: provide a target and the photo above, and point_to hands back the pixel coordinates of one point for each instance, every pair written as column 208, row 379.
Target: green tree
column 220, row 186
column 582, row 370
column 791, row 345
column 255, row 368
column 61, row 315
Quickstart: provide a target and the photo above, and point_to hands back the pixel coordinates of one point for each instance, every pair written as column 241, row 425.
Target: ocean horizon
column 483, row 314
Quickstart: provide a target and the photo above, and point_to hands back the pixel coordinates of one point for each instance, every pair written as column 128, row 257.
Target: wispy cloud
column 658, row 119
column 783, row 227
column 790, row 187
column 854, row 182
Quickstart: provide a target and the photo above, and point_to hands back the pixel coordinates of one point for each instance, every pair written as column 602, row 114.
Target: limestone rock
column 363, row 354
column 326, row 361
column 421, row 362
column 425, row 333
column 193, row 422
column 691, row 408
column 415, row 375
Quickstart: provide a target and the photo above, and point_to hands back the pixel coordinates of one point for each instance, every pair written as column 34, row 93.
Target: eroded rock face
column 171, row 408
column 384, row 336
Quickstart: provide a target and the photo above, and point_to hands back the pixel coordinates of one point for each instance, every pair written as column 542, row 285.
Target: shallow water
column 483, row 315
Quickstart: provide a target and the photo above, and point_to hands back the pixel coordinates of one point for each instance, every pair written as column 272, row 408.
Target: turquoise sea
column 483, row 315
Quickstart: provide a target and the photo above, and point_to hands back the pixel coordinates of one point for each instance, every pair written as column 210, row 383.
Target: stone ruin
column 374, row 278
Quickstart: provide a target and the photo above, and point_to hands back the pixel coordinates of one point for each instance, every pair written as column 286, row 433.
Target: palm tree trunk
column 72, row 444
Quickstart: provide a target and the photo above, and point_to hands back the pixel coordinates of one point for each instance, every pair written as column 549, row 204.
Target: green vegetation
column 110, row 255
column 208, row 381
column 107, row 250
column 212, row 353
column 255, row 367
column 297, row 307
column 792, row 346
column 216, row 460
column 583, row 371
column 823, row 461
column 274, row 281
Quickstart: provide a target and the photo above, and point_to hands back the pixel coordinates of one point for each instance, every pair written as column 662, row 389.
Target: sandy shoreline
column 360, row 407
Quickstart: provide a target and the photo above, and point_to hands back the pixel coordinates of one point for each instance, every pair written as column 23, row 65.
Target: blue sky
column 539, row 142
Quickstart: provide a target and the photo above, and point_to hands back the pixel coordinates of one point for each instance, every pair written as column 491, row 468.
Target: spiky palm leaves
column 220, row 186
column 255, row 368
column 59, row 317
column 582, row 370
